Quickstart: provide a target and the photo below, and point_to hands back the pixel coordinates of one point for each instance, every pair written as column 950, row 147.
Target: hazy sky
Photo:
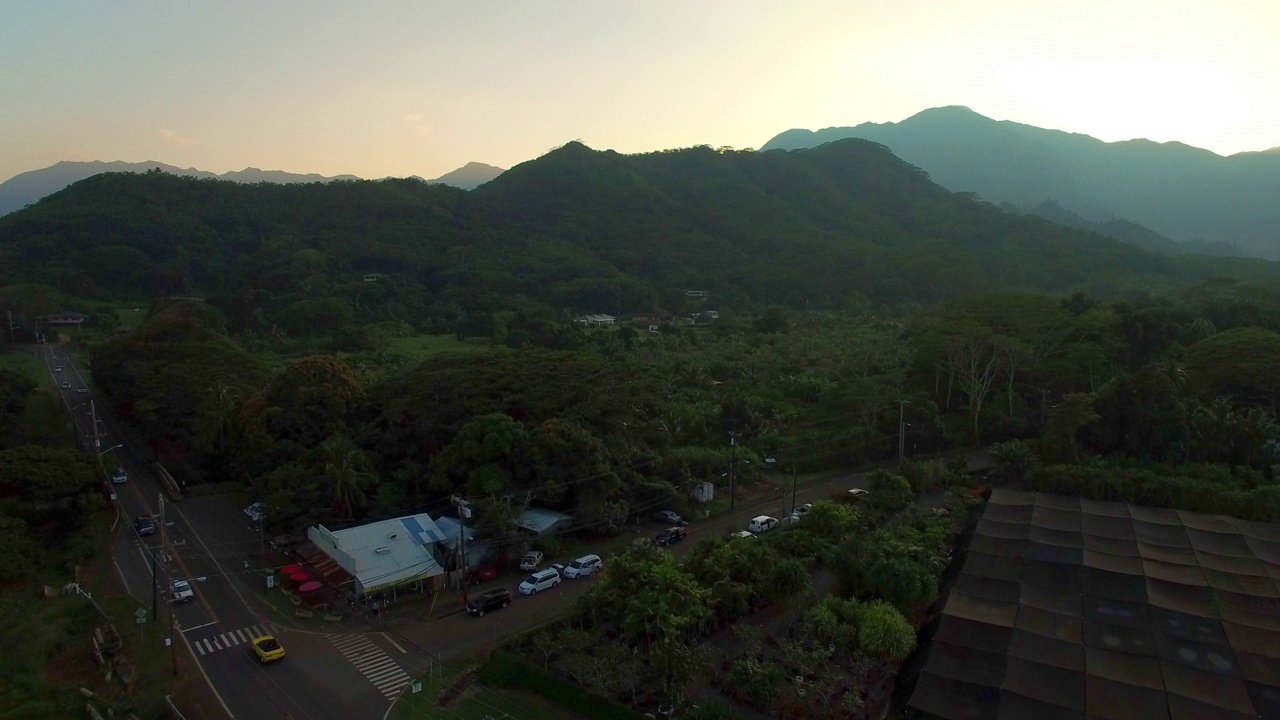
column 404, row 87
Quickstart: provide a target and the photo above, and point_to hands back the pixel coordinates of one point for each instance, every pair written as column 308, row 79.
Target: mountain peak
column 1174, row 189
column 469, row 176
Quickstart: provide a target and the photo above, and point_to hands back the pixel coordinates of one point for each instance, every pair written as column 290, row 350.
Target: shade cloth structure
column 1072, row 608
column 300, row 577
column 288, row 570
column 309, row 587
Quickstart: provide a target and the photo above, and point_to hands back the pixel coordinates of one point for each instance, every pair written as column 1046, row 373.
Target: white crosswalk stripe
column 240, row 636
column 385, row 674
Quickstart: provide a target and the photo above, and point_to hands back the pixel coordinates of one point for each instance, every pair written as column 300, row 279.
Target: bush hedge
column 505, row 669
column 1149, row 487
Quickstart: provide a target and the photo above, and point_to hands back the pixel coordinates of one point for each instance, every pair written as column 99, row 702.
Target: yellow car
column 267, row 649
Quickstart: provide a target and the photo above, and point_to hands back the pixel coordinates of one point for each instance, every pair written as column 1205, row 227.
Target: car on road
column 181, row 591
column 144, row 525
column 762, row 523
column 541, row 580
column 488, row 600
column 742, row 534
column 531, row 560
column 585, row 566
column 669, row 517
column 57, row 368
column 798, row 514
column 82, row 390
column 858, row 493
column 66, row 386
column 267, row 649
column 670, row 536
column 119, row 476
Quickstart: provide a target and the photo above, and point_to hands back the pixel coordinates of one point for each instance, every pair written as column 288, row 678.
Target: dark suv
column 670, row 536
column 144, row 525
column 488, row 600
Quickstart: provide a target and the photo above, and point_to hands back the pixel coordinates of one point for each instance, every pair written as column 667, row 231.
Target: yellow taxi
column 267, row 648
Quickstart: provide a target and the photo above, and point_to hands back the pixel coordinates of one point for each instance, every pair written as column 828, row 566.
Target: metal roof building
column 384, row 554
column 1074, row 608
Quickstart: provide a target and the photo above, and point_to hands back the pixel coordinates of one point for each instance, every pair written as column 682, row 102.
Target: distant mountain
column 1179, row 191
column 469, row 176
column 841, row 226
column 1125, row 231
column 28, row 187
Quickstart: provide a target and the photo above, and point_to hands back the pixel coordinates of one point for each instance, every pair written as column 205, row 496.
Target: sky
column 420, row 87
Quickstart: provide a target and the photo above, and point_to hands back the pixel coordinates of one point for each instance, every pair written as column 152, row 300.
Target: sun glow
column 1159, row 101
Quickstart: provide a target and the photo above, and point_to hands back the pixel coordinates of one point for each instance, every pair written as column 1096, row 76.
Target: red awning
column 309, row 587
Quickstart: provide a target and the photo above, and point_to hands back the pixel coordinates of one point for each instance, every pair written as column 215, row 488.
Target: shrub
column 506, row 669
column 884, row 632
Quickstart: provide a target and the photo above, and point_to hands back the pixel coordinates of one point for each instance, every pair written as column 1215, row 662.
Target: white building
column 385, row 554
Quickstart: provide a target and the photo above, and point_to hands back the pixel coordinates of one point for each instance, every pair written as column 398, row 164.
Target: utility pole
column 464, row 512
column 902, row 426
column 793, row 487
column 155, row 585
column 733, row 461
column 168, row 580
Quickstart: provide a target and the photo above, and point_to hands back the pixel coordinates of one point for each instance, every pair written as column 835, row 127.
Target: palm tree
column 218, row 420
column 344, row 468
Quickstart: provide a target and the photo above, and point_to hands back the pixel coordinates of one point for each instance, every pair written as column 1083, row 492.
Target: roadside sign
column 416, row 686
column 271, row 581
column 140, row 615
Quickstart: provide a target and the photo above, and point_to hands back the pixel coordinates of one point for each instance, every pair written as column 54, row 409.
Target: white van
column 762, row 523
column 541, row 580
column 584, row 566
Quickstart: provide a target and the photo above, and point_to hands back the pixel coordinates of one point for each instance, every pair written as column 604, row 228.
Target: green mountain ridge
column 577, row 230
column 1179, row 191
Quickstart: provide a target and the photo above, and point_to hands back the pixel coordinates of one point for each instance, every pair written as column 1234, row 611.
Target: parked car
column 182, row 592
column 267, row 649
column 531, row 560
column 119, row 476
column 541, row 580
column 488, row 600
column 762, row 523
column 669, row 517
column 558, row 568
column 670, row 536
column 742, row 534
column 585, row 566
column 798, row 514
column 858, row 493
column 144, row 525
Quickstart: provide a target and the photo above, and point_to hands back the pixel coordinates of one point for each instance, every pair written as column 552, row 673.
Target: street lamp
column 113, row 447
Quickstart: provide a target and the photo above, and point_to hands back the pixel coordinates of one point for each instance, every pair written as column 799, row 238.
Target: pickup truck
column 531, row 560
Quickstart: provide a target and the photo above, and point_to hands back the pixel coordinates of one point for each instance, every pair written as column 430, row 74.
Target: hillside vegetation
column 838, row 227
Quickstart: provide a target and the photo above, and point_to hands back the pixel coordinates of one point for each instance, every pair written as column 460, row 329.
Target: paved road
column 326, row 675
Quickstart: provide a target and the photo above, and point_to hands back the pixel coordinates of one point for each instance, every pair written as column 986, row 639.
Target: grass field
column 421, row 346
column 28, row 364
column 55, row 635
column 476, row 703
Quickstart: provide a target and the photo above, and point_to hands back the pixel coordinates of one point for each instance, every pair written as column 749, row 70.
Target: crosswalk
column 231, row 638
column 373, row 663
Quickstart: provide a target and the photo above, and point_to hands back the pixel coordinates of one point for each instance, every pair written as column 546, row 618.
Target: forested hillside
column 576, row 230
column 1182, row 192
